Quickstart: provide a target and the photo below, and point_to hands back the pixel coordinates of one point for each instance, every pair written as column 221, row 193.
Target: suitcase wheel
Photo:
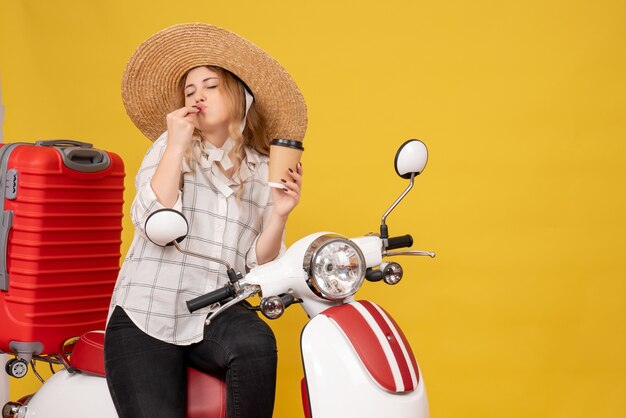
column 17, row 368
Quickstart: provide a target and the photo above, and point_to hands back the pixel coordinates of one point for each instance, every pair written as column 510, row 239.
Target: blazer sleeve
column 145, row 201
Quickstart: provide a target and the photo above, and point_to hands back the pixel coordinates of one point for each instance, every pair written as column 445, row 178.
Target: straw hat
column 150, row 80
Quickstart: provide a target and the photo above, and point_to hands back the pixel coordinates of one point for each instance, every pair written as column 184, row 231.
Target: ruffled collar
column 212, row 154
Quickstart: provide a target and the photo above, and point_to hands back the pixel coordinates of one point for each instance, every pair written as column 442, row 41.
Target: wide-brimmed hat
column 151, row 78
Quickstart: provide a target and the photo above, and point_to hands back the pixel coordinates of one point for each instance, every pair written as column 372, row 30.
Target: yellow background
column 522, row 106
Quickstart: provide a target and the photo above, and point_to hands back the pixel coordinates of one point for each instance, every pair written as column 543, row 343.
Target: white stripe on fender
column 401, row 343
column 382, row 340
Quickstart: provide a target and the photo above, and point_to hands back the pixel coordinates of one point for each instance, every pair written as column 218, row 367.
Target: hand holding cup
column 285, row 154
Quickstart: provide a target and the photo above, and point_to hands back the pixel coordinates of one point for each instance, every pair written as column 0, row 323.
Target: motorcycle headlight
column 335, row 266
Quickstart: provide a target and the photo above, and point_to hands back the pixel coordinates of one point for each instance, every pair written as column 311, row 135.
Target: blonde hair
column 254, row 134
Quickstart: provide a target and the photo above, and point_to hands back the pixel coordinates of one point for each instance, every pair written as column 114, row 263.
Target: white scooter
column 356, row 360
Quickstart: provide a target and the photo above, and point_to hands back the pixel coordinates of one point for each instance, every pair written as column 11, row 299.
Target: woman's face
column 202, row 90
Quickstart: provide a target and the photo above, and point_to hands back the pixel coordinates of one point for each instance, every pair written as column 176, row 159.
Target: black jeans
column 147, row 377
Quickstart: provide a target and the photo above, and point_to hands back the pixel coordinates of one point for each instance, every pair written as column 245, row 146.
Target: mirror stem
column 384, row 233
column 206, row 257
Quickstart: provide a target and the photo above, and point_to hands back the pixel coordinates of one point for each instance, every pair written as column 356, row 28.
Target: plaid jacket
column 154, row 282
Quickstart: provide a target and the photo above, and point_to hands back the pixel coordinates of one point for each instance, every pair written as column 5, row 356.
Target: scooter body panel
column 70, row 396
column 340, row 385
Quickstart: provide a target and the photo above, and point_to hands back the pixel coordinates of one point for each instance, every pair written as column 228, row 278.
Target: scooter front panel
column 379, row 343
column 339, row 385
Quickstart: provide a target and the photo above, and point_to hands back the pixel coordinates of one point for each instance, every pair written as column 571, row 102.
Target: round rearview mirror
column 411, row 158
column 165, row 226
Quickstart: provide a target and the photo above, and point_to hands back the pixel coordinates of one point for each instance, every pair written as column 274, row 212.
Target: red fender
column 379, row 343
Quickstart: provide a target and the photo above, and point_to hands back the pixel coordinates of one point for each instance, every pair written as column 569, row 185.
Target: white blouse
column 155, row 282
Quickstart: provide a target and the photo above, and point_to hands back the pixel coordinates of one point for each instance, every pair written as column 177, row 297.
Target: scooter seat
column 88, row 353
column 206, row 394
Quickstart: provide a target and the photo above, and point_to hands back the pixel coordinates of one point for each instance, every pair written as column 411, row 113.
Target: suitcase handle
column 5, row 226
column 85, row 160
column 63, row 142
column 6, row 216
column 79, row 156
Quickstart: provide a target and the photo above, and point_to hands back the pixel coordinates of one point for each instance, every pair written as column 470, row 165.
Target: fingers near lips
column 189, row 113
column 183, row 112
column 199, row 106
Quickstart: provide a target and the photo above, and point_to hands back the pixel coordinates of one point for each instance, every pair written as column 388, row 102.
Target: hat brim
column 150, row 81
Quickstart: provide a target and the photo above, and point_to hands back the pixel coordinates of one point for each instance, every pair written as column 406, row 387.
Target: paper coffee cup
column 284, row 154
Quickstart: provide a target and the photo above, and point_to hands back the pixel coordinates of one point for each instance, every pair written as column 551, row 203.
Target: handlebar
column 210, row 298
column 404, row 241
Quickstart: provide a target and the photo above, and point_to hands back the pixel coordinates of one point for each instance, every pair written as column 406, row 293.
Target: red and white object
column 358, row 363
column 72, row 395
column 62, row 205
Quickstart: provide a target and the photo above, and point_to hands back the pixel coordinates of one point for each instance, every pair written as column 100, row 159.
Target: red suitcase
column 61, row 205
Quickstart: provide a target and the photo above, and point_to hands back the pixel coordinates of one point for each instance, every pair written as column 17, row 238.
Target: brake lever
column 245, row 294
column 419, row 253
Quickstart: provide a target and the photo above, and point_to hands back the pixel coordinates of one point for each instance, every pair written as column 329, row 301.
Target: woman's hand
column 165, row 182
column 180, row 126
column 287, row 198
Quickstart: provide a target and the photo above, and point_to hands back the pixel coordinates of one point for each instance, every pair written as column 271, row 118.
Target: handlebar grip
column 210, row 298
column 404, row 241
column 372, row 275
column 287, row 299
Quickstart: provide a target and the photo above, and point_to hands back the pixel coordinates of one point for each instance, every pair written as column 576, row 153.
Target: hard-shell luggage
column 61, row 204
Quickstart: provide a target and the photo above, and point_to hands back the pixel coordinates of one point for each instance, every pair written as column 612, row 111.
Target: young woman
column 210, row 163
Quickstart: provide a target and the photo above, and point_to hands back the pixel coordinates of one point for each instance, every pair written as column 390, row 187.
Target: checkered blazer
column 154, row 282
